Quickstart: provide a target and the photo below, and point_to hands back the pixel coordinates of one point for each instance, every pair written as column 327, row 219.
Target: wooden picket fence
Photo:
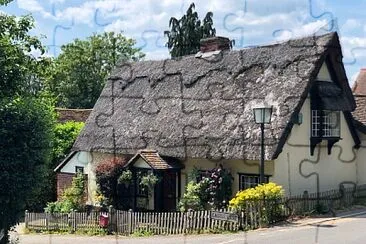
column 256, row 214
column 64, row 222
column 128, row 222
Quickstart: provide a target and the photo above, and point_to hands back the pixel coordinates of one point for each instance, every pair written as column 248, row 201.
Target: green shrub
column 212, row 191
column 65, row 136
column 107, row 173
column 267, row 196
column 192, row 198
column 72, row 198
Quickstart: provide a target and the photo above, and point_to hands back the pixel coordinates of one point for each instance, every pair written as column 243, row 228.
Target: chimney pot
column 215, row 43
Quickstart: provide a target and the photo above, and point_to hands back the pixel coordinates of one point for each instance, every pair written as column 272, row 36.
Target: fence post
column 72, row 220
column 47, row 220
column 129, row 221
column 343, row 194
column 111, row 221
column 305, row 206
column 26, row 219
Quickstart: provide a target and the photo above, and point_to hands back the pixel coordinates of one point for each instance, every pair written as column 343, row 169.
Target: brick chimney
column 214, row 44
column 359, row 87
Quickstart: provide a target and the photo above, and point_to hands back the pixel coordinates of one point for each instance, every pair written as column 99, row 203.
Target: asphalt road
column 346, row 230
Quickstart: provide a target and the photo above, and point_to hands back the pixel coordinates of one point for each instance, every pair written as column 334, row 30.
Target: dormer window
column 325, row 124
column 327, row 100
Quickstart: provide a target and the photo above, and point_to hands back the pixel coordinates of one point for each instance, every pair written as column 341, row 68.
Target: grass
column 88, row 232
column 142, row 233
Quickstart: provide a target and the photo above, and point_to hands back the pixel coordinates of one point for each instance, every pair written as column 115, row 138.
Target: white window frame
column 247, row 181
column 326, row 124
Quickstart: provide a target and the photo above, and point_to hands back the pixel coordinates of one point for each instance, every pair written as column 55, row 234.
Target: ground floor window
column 79, row 169
column 250, row 180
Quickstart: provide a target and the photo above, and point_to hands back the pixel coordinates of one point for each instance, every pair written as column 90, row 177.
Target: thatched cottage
column 173, row 115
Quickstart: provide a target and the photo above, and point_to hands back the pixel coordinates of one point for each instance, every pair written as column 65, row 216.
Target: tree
column 20, row 72
column 80, row 71
column 185, row 34
column 64, row 136
column 25, row 133
column 26, row 118
column 107, row 173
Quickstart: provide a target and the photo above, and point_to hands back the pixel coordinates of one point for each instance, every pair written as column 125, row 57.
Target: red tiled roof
column 359, row 87
column 152, row 158
column 360, row 112
column 77, row 115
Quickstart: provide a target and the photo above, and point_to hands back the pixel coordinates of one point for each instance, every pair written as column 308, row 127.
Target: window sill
column 327, row 138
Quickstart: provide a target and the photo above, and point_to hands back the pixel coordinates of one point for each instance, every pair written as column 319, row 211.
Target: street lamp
column 262, row 115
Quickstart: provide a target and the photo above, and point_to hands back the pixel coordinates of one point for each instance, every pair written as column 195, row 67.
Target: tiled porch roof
column 152, row 158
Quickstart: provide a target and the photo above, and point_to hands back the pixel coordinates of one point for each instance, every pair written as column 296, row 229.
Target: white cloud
column 302, row 30
column 30, row 5
column 157, row 54
column 351, row 24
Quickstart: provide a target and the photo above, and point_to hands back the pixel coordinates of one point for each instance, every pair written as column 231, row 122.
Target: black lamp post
column 262, row 115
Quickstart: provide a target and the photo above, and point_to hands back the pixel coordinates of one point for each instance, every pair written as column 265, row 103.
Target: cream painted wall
column 324, row 74
column 234, row 166
column 140, row 163
column 361, row 160
column 297, row 171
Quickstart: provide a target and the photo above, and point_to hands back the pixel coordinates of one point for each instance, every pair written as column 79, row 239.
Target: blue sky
column 250, row 22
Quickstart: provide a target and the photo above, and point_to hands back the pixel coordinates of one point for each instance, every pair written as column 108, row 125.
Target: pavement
column 346, row 227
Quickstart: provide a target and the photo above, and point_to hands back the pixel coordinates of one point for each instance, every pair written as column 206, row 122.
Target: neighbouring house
column 174, row 115
column 70, row 114
column 63, row 175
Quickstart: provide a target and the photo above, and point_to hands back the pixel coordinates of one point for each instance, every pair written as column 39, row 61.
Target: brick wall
column 64, row 181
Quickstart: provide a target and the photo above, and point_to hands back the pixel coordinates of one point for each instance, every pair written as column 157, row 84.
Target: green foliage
column 269, row 191
column 149, row 181
column 80, row 71
column 219, row 187
column 5, row 2
column 72, row 198
column 213, row 191
column 185, row 34
column 65, row 136
column 20, row 72
column 321, row 208
column 267, row 196
column 192, row 197
column 25, row 135
column 62, row 141
column 141, row 232
column 107, row 173
column 125, row 177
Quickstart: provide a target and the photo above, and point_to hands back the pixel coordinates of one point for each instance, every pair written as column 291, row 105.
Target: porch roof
column 154, row 160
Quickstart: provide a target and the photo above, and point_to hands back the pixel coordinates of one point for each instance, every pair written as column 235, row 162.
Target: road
column 345, row 230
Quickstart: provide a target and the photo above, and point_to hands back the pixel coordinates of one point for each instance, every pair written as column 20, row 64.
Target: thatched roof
column 201, row 106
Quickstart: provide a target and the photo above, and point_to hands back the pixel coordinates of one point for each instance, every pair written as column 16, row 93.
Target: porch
column 164, row 174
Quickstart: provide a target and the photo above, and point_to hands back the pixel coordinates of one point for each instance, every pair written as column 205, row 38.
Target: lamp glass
column 262, row 115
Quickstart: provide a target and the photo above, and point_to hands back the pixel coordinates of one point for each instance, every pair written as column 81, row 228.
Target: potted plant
column 125, row 178
column 149, row 181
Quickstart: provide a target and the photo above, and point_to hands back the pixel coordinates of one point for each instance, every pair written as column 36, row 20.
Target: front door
column 169, row 185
